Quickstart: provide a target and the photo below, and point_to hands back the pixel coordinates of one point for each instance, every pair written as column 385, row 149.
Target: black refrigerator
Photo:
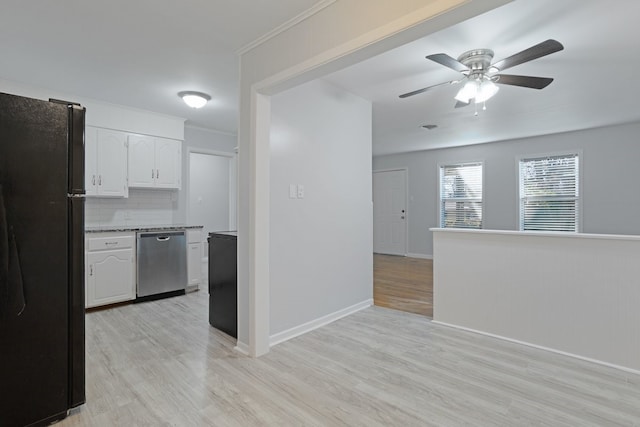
column 42, row 372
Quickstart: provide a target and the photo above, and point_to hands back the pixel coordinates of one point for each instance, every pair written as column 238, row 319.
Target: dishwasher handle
column 163, row 238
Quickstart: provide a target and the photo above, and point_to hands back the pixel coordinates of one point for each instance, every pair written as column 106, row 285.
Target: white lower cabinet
column 194, row 257
column 110, row 268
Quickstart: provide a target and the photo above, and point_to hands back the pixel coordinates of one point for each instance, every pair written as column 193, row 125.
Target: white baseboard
column 317, row 323
column 242, row 348
column 420, row 256
column 540, row 347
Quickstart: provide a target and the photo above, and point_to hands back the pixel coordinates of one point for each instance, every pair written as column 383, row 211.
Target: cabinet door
column 168, row 163
column 112, row 164
column 194, row 263
column 142, row 170
column 90, row 161
column 110, row 277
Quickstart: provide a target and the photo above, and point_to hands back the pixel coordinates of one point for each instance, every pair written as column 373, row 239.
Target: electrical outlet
column 300, row 191
column 293, row 191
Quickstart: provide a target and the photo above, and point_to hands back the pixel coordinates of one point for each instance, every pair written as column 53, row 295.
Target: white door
column 390, row 212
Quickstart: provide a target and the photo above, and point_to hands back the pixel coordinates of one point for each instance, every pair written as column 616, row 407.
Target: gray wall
column 609, row 168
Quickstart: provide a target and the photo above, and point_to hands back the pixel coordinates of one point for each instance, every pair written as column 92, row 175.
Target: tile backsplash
column 142, row 207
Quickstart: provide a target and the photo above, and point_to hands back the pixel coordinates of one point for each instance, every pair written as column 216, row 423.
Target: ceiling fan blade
column 534, row 52
column 424, row 89
column 447, row 61
column 460, row 104
column 524, row 81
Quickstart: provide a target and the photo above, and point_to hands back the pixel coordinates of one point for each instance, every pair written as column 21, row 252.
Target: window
column 549, row 193
column 461, row 196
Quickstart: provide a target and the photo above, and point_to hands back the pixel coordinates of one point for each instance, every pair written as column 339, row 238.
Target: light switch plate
column 300, row 191
column 293, row 191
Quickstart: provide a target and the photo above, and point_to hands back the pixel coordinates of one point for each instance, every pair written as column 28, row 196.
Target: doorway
column 399, row 282
column 211, row 196
column 209, row 191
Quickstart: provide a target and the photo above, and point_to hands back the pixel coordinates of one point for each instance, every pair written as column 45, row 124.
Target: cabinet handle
column 99, row 179
column 151, row 173
column 91, row 270
column 157, row 173
column 93, row 180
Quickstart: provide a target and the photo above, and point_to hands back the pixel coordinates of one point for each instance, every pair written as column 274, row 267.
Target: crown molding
column 285, row 26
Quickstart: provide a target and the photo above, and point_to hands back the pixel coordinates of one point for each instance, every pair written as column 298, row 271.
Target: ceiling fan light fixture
column 468, row 91
column 194, row 99
column 486, row 90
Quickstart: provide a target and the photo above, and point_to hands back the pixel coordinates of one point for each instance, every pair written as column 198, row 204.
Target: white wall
column 322, row 244
column 332, row 35
column 611, row 202
column 572, row 293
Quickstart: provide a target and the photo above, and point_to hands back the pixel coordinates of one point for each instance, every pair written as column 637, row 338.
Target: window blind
column 549, row 193
column 461, row 196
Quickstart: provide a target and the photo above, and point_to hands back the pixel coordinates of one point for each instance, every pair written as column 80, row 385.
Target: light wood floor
column 403, row 283
column 160, row 364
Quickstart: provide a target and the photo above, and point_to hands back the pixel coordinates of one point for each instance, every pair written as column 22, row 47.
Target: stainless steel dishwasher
column 162, row 264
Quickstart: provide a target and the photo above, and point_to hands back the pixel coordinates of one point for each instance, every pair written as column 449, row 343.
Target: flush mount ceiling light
column 194, row 99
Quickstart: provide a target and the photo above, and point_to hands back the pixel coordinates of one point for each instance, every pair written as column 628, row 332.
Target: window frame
column 579, row 198
column 439, row 201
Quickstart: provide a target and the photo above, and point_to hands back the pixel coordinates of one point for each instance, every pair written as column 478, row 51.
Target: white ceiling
column 139, row 53
column 596, row 76
column 142, row 53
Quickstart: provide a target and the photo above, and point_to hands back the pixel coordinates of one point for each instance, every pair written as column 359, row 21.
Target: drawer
column 113, row 242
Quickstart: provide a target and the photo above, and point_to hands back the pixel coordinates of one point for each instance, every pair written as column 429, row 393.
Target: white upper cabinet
column 168, row 163
column 141, row 161
column 105, row 163
column 154, row 162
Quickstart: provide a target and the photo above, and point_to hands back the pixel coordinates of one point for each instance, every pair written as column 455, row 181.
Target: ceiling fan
column 481, row 76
